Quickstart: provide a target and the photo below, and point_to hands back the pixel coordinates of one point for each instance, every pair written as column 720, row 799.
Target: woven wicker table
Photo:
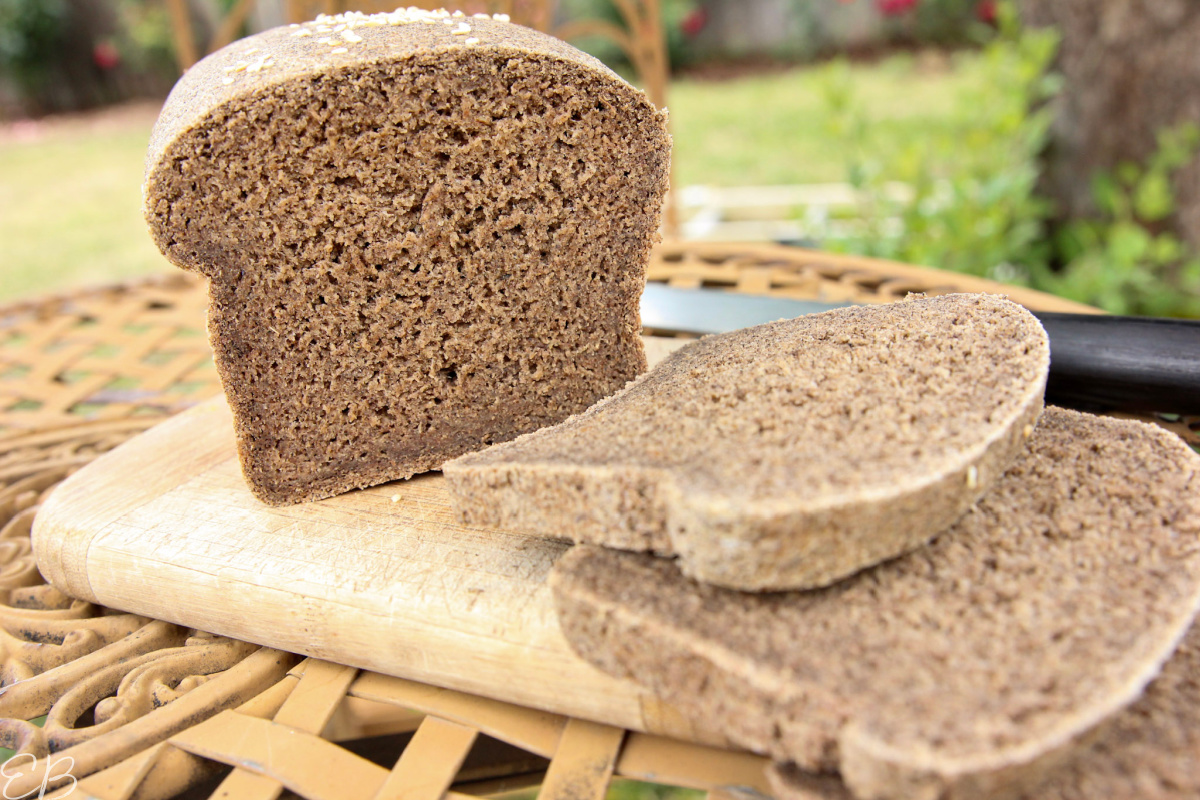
column 135, row 707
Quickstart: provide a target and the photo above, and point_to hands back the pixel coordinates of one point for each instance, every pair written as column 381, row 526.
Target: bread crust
column 1148, row 750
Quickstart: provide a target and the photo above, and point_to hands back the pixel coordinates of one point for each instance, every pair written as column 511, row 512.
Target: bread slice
column 414, row 225
column 786, row 455
column 1148, row 751
column 966, row 669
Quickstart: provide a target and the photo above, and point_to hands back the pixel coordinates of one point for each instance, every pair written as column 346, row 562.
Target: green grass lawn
column 773, row 129
column 70, row 205
column 70, row 197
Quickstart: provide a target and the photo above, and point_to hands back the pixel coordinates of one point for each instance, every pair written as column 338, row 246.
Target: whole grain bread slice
column 786, row 455
column 413, row 225
column 965, row 669
column 1149, row 751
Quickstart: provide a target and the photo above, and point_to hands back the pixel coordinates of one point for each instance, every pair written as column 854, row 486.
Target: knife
column 1097, row 362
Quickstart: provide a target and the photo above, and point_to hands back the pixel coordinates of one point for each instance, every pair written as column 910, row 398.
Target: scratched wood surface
column 382, row 579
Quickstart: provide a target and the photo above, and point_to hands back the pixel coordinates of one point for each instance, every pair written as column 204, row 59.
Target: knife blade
column 1097, row 362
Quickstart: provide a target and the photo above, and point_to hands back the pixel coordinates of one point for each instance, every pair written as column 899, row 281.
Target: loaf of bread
column 786, row 455
column 967, row 669
column 1147, row 751
column 424, row 233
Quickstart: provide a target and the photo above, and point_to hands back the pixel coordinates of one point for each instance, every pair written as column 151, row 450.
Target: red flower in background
column 694, row 22
column 894, row 8
column 106, row 56
column 986, row 11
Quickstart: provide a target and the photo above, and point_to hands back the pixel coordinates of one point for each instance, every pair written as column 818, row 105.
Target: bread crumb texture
column 969, row 668
column 1146, row 751
column 786, row 455
column 419, row 241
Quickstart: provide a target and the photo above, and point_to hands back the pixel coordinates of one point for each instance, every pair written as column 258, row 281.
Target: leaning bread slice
column 965, row 669
column 1148, row 751
column 413, row 224
column 786, row 455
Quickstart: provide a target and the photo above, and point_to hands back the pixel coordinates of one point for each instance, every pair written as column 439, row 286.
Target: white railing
column 795, row 213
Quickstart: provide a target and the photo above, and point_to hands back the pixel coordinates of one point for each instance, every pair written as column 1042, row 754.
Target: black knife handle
column 1100, row 362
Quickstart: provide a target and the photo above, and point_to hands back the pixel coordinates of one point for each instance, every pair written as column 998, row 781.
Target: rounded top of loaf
column 329, row 45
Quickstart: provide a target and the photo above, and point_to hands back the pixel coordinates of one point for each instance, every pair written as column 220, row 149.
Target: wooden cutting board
column 382, row 579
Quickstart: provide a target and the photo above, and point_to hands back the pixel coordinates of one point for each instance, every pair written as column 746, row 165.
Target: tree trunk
column 1131, row 68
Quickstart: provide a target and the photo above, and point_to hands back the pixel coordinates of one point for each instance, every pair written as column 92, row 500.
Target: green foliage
column 638, row 790
column 30, row 33
column 942, row 22
column 971, row 202
column 673, row 13
column 1119, row 260
column 146, row 40
column 766, row 128
column 972, row 205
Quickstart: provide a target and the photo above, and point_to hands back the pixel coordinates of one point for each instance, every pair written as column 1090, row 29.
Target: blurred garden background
column 1051, row 144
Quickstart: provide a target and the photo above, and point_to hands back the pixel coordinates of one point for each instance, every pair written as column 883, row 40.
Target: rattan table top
column 135, row 707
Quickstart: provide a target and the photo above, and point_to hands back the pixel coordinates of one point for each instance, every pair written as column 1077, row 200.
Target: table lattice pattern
column 136, row 707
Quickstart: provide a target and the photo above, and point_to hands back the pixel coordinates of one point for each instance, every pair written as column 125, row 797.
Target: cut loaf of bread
column 966, row 669
column 1149, row 751
column 414, row 226
column 786, row 455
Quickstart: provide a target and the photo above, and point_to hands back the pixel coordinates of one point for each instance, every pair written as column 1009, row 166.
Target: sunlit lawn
column 773, row 129
column 70, row 205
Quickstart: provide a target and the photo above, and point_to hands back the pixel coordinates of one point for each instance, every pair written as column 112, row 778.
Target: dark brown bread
column 416, row 231
column 1148, row 751
column 787, row 455
column 965, row 669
